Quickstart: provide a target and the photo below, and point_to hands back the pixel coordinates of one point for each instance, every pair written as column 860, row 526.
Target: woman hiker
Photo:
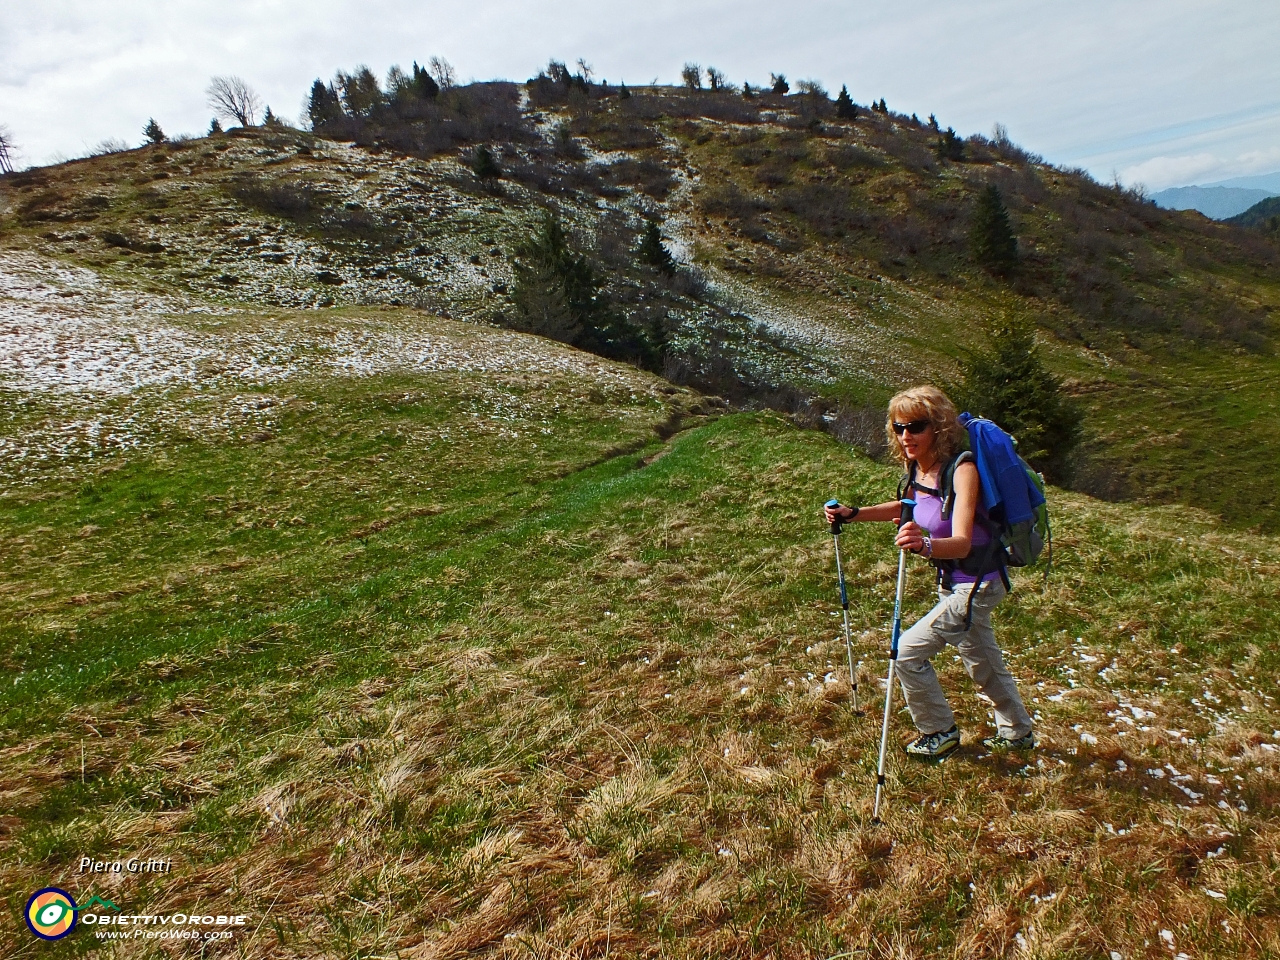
column 926, row 437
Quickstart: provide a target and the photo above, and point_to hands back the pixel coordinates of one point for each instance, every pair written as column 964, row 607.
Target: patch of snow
column 89, row 367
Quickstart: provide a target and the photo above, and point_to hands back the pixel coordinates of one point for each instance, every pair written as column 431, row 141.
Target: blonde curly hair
column 926, row 402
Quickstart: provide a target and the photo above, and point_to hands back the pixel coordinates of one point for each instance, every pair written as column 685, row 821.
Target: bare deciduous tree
column 442, row 73
column 109, row 146
column 7, row 150
column 397, row 81
column 692, row 76
column 715, row 79
column 233, row 99
column 585, row 70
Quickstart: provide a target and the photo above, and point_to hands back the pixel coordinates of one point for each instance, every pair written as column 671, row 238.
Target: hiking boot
column 934, row 746
column 1001, row 744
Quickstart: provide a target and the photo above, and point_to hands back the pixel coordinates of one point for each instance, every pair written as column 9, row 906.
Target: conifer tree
column 484, row 165
column 559, row 294
column 153, row 132
column 845, row 110
column 1010, row 385
column 950, row 146
column 623, row 92
column 991, row 235
column 557, row 290
column 215, row 127
column 747, row 92
column 424, row 84
column 780, row 85
column 653, row 252
column 324, row 106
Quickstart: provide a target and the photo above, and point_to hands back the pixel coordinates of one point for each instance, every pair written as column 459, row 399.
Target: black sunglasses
column 914, row 427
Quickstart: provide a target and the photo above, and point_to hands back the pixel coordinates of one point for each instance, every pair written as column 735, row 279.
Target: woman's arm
column 890, row 510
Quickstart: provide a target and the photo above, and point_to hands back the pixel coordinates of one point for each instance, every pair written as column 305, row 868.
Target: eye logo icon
column 51, row 913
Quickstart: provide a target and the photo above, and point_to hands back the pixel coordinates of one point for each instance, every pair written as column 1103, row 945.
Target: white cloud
column 1259, row 161
column 1161, row 172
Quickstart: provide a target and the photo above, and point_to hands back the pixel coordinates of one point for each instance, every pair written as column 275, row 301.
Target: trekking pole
column 836, row 524
column 908, row 514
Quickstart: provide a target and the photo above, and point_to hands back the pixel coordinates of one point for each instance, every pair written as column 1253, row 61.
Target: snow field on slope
column 90, row 368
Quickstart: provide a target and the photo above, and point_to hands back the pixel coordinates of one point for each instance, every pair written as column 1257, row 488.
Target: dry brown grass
column 633, row 738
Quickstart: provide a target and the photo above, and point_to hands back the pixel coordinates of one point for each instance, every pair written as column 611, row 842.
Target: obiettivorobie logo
column 51, row 913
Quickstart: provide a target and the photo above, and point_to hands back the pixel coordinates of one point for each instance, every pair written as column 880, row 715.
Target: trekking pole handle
column 908, row 512
column 837, row 523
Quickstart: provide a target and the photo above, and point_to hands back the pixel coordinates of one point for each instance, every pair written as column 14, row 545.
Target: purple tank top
column 928, row 515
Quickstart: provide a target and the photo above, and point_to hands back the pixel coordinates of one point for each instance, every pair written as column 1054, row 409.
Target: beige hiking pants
column 943, row 625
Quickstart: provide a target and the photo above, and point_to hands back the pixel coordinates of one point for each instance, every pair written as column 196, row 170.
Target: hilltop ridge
column 822, row 255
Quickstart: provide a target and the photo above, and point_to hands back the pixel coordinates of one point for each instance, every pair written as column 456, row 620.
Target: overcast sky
column 1162, row 92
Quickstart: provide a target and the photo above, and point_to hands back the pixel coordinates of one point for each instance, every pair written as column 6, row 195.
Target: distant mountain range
column 1219, row 201
column 1265, row 181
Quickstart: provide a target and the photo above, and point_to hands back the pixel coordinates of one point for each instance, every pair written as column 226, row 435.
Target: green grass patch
column 538, row 691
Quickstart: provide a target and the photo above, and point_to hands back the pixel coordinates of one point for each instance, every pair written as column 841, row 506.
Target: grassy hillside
column 830, row 256
column 446, row 662
column 406, row 634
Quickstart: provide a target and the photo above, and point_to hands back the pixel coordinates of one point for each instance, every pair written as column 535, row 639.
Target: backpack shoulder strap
column 948, row 479
column 908, row 481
